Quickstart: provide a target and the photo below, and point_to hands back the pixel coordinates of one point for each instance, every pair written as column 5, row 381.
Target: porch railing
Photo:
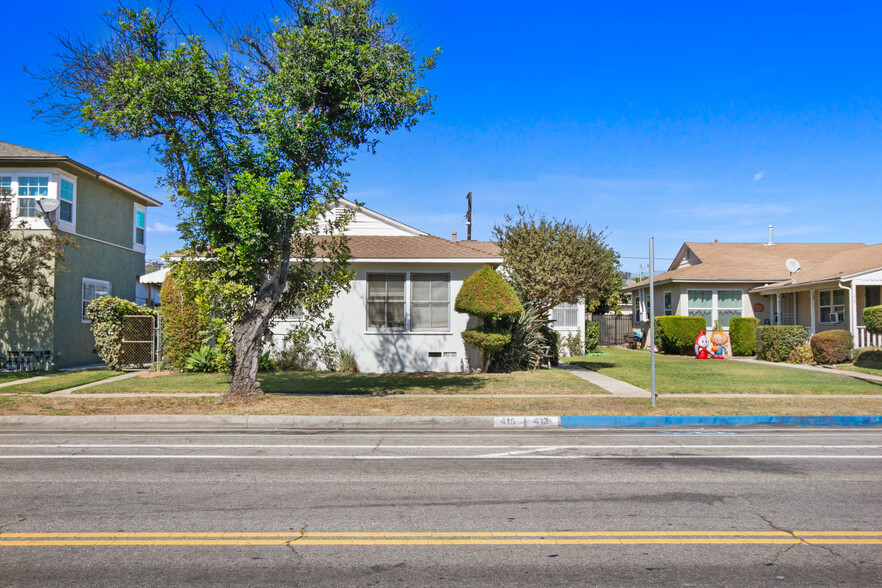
column 867, row 339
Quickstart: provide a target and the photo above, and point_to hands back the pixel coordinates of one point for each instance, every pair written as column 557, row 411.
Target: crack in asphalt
column 21, row 520
column 802, row 542
column 377, row 446
column 288, row 544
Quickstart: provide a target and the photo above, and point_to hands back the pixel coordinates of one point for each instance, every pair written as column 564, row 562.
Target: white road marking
column 386, row 446
column 394, row 457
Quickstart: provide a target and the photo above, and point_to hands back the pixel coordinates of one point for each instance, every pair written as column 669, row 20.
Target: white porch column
column 852, row 311
column 778, row 304
column 813, row 309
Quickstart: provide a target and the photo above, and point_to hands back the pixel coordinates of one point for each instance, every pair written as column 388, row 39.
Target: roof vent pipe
column 454, row 236
column 770, row 243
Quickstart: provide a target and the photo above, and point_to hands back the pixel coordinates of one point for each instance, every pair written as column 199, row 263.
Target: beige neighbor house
column 720, row 281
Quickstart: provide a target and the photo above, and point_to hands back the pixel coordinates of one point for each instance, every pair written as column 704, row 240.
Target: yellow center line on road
column 364, row 538
column 439, row 542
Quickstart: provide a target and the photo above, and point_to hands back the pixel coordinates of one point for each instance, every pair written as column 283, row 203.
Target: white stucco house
column 398, row 315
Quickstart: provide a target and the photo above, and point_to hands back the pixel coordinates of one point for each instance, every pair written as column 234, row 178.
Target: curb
column 269, row 422
column 614, row 422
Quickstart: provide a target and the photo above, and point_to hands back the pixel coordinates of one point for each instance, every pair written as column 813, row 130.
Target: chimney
column 771, row 242
column 454, row 236
column 716, row 240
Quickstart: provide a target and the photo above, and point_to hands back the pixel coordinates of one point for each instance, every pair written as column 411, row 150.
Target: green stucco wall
column 73, row 337
column 105, row 213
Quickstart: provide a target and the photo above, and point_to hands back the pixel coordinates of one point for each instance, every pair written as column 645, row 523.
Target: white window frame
column 72, row 223
column 367, row 316
column 832, row 306
column 408, row 319
column 92, row 282
column 638, row 310
column 715, row 303
column 140, row 247
column 565, row 308
column 30, row 222
column 668, row 299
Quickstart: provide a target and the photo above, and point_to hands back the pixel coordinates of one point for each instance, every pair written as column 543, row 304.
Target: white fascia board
column 424, row 260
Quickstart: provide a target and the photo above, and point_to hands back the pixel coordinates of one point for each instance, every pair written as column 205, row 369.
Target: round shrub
column 106, row 314
column 873, row 318
column 489, row 341
column 677, row 334
column 868, row 357
column 830, row 347
column 742, row 334
column 486, row 295
column 180, row 321
column 777, row 342
column 592, row 336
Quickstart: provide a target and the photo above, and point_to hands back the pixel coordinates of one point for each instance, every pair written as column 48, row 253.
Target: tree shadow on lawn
column 594, row 366
column 335, row 383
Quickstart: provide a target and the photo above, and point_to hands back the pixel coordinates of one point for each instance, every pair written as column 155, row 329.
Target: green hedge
column 831, row 347
column 873, row 318
column 592, row 336
column 677, row 334
column 486, row 294
column 180, row 321
column 777, row 342
column 742, row 334
column 106, row 314
column 868, row 357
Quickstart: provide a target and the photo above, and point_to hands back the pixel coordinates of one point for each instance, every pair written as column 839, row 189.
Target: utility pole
column 651, row 318
column 469, row 218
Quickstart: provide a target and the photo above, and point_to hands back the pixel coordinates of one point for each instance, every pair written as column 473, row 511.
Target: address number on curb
column 529, row 422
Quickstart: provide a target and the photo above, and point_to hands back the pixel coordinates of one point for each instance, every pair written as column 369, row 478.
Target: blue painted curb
column 612, row 422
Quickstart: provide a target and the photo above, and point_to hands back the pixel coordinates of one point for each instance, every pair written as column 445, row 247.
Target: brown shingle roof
column 749, row 262
column 845, row 263
column 414, row 247
column 488, row 247
column 13, row 151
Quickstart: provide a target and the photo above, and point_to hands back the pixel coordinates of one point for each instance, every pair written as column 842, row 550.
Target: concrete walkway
column 68, row 391
column 615, row 387
column 812, row 368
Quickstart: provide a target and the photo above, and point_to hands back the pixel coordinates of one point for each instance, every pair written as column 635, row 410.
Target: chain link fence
column 141, row 342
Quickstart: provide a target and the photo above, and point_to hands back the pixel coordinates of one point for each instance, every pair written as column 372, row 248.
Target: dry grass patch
column 398, row 406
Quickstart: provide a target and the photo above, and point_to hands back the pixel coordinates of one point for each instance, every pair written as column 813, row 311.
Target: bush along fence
column 778, row 342
column 108, row 315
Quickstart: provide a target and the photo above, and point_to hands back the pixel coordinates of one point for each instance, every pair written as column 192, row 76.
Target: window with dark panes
column 429, row 302
column 385, row 301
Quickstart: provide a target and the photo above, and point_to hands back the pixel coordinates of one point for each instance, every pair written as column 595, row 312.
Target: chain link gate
column 140, row 342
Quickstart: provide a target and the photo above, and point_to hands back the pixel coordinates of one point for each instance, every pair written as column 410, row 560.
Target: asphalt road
column 562, row 508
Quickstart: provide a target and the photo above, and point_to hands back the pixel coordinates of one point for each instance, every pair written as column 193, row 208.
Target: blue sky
column 683, row 121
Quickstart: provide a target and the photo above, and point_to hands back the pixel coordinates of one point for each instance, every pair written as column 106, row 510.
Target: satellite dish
column 48, row 205
column 792, row 265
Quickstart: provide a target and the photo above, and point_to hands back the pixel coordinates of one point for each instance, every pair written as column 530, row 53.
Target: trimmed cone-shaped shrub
column 831, row 347
column 873, row 318
column 180, row 322
column 777, row 342
column 489, row 341
column 677, row 334
column 592, row 336
column 742, row 334
column 485, row 294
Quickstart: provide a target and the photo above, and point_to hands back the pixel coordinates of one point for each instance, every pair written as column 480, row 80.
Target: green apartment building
column 106, row 219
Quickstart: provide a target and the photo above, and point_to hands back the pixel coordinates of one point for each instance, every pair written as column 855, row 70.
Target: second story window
column 66, row 198
column 140, row 227
column 29, row 189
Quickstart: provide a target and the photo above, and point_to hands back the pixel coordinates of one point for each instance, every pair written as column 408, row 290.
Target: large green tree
column 253, row 130
column 550, row 261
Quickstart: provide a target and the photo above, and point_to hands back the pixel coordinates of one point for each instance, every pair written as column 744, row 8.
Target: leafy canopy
column 253, row 138
column 551, row 261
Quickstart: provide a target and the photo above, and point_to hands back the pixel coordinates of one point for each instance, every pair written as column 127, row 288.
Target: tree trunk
column 247, row 335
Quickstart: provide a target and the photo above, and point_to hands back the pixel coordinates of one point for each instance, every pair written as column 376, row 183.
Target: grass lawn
column 13, row 376
column 686, row 375
column 58, row 382
column 403, row 406
column 555, row 381
column 870, row 367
